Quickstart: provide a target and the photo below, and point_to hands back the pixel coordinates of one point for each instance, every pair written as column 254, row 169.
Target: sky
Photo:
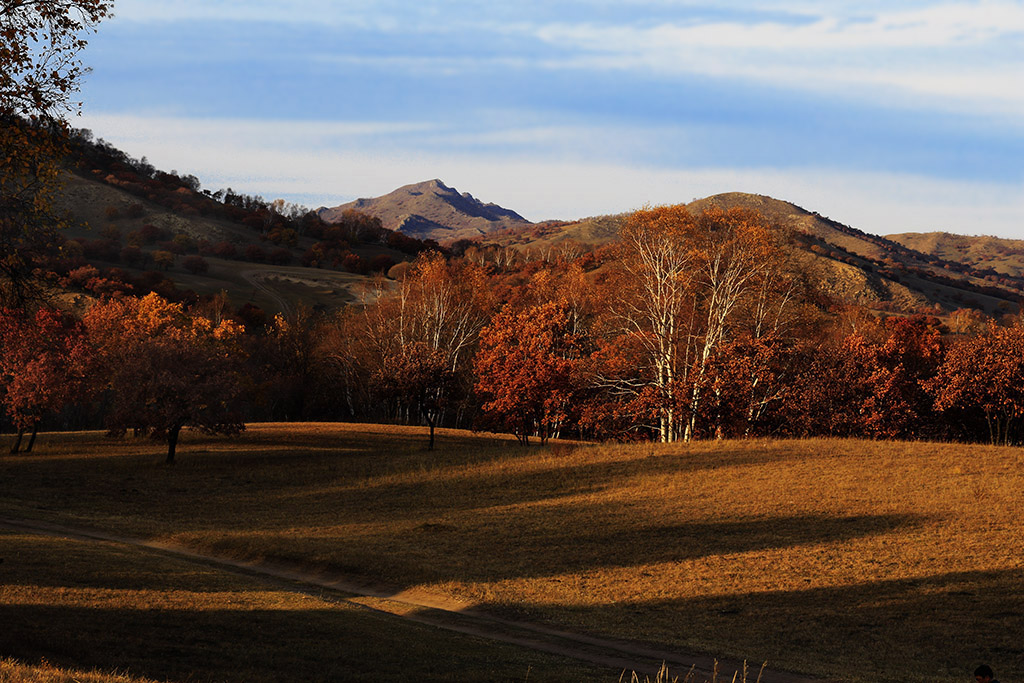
column 896, row 116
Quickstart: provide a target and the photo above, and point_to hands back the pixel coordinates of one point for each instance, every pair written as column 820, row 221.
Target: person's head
column 983, row 674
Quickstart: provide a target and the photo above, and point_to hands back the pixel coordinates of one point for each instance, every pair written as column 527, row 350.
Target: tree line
column 691, row 327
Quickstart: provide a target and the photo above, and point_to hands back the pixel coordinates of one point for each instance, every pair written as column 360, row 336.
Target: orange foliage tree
column 526, row 369
column 983, row 378
column 163, row 369
column 747, row 384
column 684, row 281
column 871, row 382
column 44, row 362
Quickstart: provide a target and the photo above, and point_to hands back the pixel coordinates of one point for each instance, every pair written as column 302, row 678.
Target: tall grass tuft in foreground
column 664, row 676
column 44, row 672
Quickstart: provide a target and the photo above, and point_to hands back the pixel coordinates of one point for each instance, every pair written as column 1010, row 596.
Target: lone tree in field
column 164, row 370
column 39, row 72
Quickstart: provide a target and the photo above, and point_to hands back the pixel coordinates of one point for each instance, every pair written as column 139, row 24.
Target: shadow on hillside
column 356, row 495
column 936, row 628
column 352, row 495
column 491, row 545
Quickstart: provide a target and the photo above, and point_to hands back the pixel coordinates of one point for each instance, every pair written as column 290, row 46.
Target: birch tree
column 683, row 281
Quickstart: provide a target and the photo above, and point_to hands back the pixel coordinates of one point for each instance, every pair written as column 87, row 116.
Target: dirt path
column 256, row 279
column 435, row 610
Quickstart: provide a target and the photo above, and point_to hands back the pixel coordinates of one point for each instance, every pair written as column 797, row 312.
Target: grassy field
column 105, row 613
column 862, row 561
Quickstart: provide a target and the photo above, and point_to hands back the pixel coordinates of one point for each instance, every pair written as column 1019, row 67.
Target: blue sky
column 892, row 117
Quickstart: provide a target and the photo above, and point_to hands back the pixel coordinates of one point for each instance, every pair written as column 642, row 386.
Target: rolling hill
column 1002, row 255
column 107, row 219
column 276, row 260
column 846, row 264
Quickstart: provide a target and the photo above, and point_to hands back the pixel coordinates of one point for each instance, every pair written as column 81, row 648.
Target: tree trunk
column 32, row 439
column 431, row 417
column 17, row 442
column 172, row 443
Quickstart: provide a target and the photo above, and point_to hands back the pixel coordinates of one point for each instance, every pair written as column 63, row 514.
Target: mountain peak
column 432, row 210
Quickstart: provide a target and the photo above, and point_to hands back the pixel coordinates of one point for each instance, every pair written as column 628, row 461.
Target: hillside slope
column 1002, row 255
column 112, row 228
column 845, row 264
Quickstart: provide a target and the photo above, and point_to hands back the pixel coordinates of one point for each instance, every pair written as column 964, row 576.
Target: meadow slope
column 846, row 559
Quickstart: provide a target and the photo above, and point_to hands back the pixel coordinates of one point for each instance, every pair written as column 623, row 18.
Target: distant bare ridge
column 432, row 210
column 981, row 251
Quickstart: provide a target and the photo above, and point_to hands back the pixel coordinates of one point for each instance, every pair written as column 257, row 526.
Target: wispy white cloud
column 955, row 51
column 139, row 129
column 951, row 54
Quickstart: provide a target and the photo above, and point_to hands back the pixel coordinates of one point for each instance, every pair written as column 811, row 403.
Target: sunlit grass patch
column 12, row 671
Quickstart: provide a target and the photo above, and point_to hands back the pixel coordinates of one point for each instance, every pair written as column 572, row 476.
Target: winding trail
column 433, row 609
column 256, row 279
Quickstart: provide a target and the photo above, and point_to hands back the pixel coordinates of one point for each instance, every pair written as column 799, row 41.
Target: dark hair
column 984, row 670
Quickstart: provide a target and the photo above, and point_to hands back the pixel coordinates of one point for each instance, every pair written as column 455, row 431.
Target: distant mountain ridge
column 1003, row 255
column 121, row 197
column 432, row 210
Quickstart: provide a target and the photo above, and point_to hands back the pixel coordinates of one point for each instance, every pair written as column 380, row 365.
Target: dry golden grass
column 13, row 672
column 665, row 676
column 855, row 560
column 142, row 616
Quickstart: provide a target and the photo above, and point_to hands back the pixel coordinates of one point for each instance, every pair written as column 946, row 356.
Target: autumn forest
column 694, row 326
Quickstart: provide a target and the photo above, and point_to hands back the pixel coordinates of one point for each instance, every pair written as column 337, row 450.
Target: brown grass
column 856, row 560
column 45, row 672
column 665, row 676
column 130, row 616
column 12, row 671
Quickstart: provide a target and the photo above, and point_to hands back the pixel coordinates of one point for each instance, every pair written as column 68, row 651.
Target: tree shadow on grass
column 929, row 629
column 278, row 485
column 83, row 605
column 487, row 546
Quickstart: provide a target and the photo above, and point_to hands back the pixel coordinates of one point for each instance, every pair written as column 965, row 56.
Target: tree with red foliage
column 871, row 382
column 526, row 369
column 982, row 378
column 44, row 363
column 164, row 370
column 747, row 384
